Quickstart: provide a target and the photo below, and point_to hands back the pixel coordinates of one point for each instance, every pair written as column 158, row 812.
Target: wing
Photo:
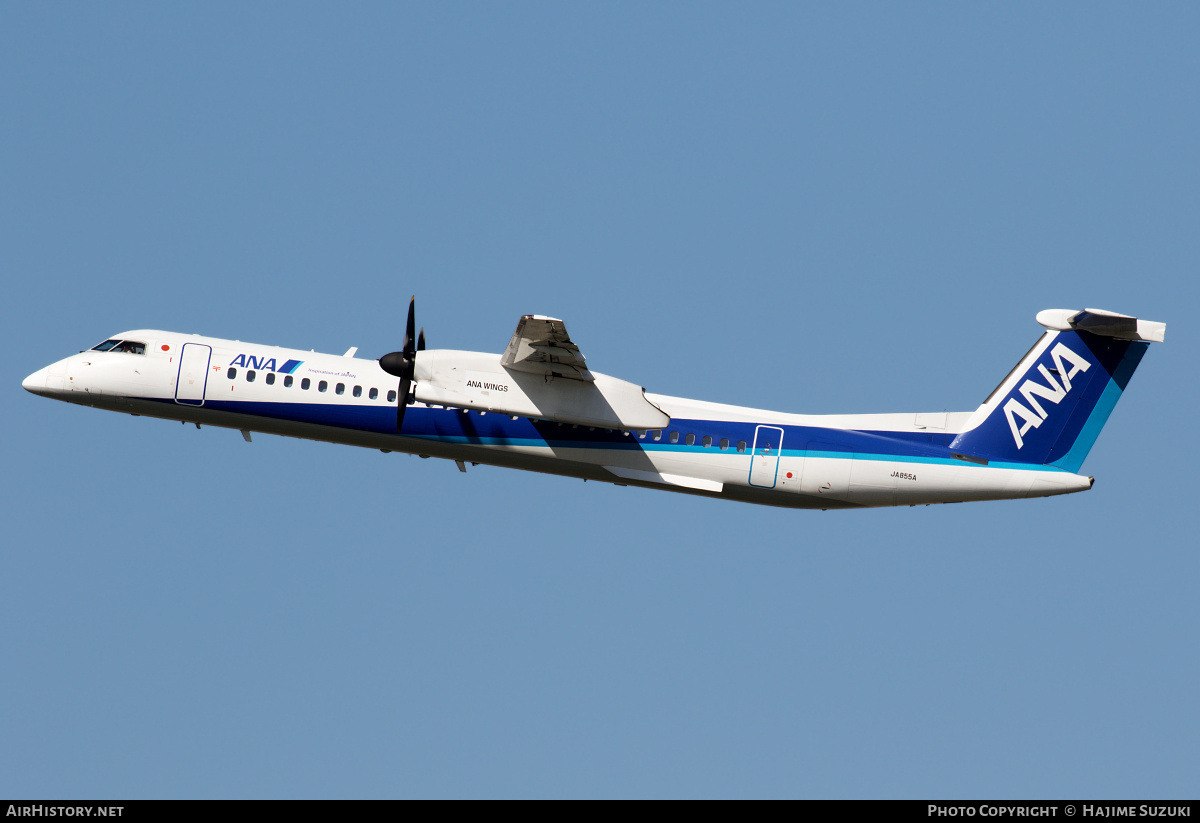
column 541, row 345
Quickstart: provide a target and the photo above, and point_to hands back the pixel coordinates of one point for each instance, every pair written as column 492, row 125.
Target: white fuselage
column 801, row 461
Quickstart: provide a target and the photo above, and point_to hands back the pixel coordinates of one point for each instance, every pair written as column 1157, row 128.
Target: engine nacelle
column 476, row 380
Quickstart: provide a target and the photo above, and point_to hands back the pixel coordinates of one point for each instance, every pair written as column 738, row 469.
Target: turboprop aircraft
column 539, row 407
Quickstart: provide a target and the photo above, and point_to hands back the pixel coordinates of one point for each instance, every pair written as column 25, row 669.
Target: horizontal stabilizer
column 1103, row 323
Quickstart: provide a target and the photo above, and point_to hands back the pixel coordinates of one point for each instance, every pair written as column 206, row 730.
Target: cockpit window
column 127, row 346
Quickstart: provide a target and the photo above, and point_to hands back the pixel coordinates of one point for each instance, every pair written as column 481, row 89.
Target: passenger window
column 232, row 373
column 358, row 391
column 270, row 378
column 741, row 447
column 323, row 385
column 658, row 434
column 392, row 396
column 287, row 381
column 641, row 435
column 341, row 388
column 691, row 439
column 707, row 440
column 305, row 383
column 250, row 376
column 674, row 437
column 724, row 443
column 374, row 394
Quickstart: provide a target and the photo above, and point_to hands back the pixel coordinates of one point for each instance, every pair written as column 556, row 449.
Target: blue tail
column 1051, row 407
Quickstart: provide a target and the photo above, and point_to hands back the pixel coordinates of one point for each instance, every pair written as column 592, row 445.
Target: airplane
column 539, row 407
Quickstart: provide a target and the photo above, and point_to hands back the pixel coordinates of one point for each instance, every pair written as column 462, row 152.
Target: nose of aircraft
column 55, row 381
column 35, row 382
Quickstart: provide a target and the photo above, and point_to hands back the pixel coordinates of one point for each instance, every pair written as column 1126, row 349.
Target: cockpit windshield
column 127, row 346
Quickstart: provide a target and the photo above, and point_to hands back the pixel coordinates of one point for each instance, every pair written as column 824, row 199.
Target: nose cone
column 36, row 382
column 52, row 381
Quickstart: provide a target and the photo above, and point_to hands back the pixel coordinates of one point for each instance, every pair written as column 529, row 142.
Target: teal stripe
column 676, row 449
column 936, row 461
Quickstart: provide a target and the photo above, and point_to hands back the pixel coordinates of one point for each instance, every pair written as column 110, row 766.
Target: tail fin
column 1051, row 406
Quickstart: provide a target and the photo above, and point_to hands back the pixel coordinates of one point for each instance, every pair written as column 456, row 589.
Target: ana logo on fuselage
column 1031, row 391
column 249, row 361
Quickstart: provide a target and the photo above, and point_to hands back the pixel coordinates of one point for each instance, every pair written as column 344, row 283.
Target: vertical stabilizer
column 1051, row 407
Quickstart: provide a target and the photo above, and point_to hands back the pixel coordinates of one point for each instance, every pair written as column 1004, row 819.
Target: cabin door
column 193, row 374
column 764, row 458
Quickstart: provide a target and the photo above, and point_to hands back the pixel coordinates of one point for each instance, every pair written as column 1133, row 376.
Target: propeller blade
column 403, row 363
column 402, row 401
column 410, row 329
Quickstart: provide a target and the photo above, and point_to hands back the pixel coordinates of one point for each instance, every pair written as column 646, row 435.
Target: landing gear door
column 193, row 374
column 764, row 458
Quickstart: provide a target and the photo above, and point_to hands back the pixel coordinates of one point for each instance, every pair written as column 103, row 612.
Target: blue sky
column 805, row 207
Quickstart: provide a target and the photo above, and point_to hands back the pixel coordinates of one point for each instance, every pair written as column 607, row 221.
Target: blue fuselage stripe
column 455, row 426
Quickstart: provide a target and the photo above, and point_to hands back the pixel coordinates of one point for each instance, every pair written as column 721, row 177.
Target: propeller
column 403, row 363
